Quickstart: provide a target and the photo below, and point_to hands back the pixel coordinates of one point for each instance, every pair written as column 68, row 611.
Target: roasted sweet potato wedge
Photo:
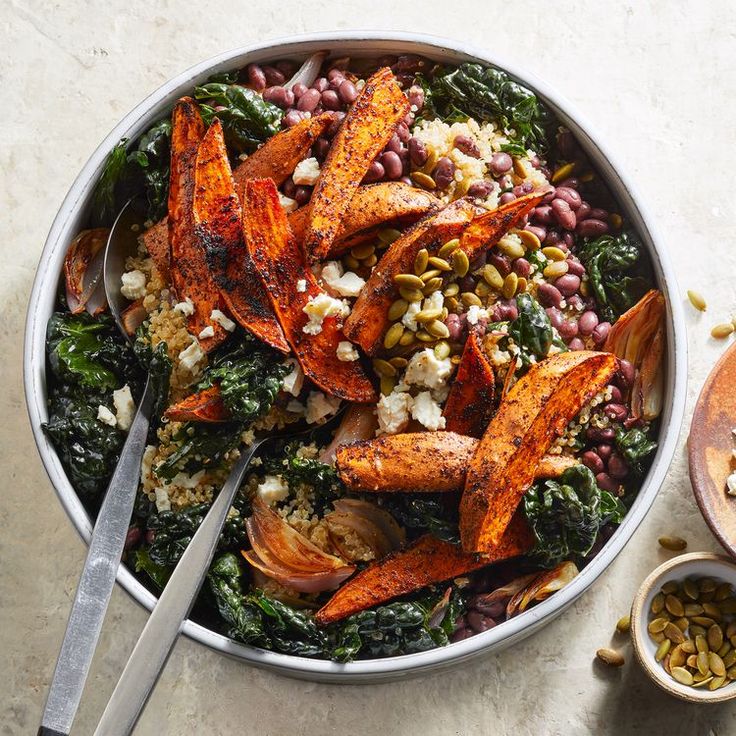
column 281, row 265
column 217, row 217
column 190, row 274
column 535, row 411
column 156, row 240
column 373, row 206
column 429, row 560
column 204, row 406
column 369, row 319
column 420, row 462
column 469, row 406
column 365, row 131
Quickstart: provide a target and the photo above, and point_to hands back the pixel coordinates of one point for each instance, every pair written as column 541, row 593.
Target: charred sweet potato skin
column 217, row 217
column 156, row 242
column 535, row 411
column 204, row 406
column 281, row 264
column 469, row 406
column 429, row 560
column 363, row 134
column 190, row 274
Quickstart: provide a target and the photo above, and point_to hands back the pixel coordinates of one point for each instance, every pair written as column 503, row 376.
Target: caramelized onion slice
column 83, row 271
column 359, row 423
column 542, row 587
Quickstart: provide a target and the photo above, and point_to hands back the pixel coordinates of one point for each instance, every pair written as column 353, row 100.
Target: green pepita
column 682, row 675
column 420, row 261
column 460, row 263
column 411, row 295
column 492, row 276
column 408, row 280
column 393, row 335
column 448, row 247
column 398, row 309
column 675, row 544
column 423, row 180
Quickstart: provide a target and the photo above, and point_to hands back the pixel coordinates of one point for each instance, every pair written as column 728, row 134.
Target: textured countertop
column 657, row 80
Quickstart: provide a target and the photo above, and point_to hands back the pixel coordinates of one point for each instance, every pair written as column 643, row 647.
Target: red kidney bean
column 568, row 284
column 455, row 326
column 481, row 189
column 555, row 316
column 504, row 182
column 320, row 84
column 591, row 228
column 302, row 194
column 409, row 119
column 542, row 214
column 391, row 164
column 444, row 172
column 568, row 329
column 576, row 303
column 479, row 261
column 335, row 72
column 600, row 333
column 256, row 77
column 583, row 212
column 348, row 92
column 504, row 311
column 402, row 130
column 576, row 344
column 600, row 434
column 606, row 483
column 569, row 240
column 416, row 96
column 553, row 237
column 563, row 214
column 273, row 76
column 523, row 188
column 335, row 77
column 466, row 145
column 394, row 144
column 406, row 180
column 279, row 96
column 549, row 295
column 417, row 152
column 501, row 262
column 375, row 172
column 616, row 412
column 616, row 395
column 494, row 609
column 626, row 372
column 299, row 89
column 330, row 100
column 566, row 144
column 617, row 467
column 133, row 537
column 548, row 197
column 571, row 183
column 506, row 197
column 286, row 67
column 521, row 267
column 604, row 451
column 332, row 128
column 570, row 196
column 460, row 634
column 320, row 148
column 501, row 162
column 575, row 267
column 480, row 623
column 309, row 100
column 150, row 536
column 539, row 231
column 593, row 461
column 587, row 323
column 598, row 214
column 289, row 187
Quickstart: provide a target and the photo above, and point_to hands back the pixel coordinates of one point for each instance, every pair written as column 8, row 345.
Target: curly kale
column 566, row 515
column 429, row 513
column 618, row 274
column 532, row 331
column 635, row 445
column 488, row 94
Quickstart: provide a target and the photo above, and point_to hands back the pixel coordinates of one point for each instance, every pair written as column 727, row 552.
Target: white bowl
column 71, row 218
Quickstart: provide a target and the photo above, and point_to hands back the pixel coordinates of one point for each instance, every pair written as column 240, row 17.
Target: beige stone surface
column 656, row 79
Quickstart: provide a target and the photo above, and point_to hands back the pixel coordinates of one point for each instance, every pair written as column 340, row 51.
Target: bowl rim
column 639, row 617
column 375, row 43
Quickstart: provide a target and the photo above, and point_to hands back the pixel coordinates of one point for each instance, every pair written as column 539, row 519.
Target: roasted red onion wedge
column 83, row 272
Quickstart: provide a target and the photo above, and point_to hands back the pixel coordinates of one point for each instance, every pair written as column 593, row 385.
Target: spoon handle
column 97, row 580
column 154, row 645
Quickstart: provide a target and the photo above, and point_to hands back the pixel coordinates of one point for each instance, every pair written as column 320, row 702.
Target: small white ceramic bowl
column 692, row 565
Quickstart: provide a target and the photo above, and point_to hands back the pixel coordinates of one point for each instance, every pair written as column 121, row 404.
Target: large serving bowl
column 71, row 218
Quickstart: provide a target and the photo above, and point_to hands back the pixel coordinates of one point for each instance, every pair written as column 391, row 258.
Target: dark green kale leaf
column 247, row 119
column 105, row 200
column 430, row 513
column 566, row 515
column 532, row 331
column 158, row 574
column 635, row 445
column 159, row 367
column 618, row 273
column 488, row 94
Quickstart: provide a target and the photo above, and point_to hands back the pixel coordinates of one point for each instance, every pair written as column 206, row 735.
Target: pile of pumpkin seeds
column 694, row 625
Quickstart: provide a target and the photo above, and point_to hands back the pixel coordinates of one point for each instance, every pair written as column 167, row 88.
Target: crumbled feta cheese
column 427, row 411
column 320, row 405
column 296, row 407
column 301, row 285
column 106, row 416
column 306, row 172
column 186, row 307
column 147, row 462
column 163, row 502
column 346, row 352
column 293, row 381
column 287, row 203
column 191, row 356
column 134, row 285
column 272, row 489
column 411, row 312
column 393, row 412
column 731, row 484
column 342, row 283
column 426, row 370
column 320, row 307
column 434, row 301
column 475, row 313
column 206, row 332
column 183, row 480
column 124, row 407
column 223, row 320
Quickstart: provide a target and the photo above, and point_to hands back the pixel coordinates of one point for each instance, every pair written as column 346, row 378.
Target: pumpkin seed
column 388, row 235
column 702, row 662
column 529, row 239
column 408, row 280
column 350, row 262
column 688, row 646
column 427, row 315
column 724, row 650
column 681, row 623
column 682, row 675
column 673, row 633
column 431, row 274
column 662, row 650
column 657, row 604
column 657, row 638
column 712, row 610
column 674, row 605
column 411, row 295
column 432, row 285
column 362, row 251
column 423, row 180
column 730, row 659
column 610, row 656
column 693, row 609
column 387, row 385
column 730, row 629
column 556, row 269
column 715, row 637
column 716, row 664
column 455, row 359
column 722, row 330
column 519, row 169
column 723, row 591
column 563, row 172
column 424, row 336
column 675, row 544
column 383, row 367
column 399, row 362
column 393, row 335
column 616, row 220
column 442, row 350
column 469, row 299
column 731, row 673
column 438, row 329
column 431, row 161
column 510, row 247
column 669, row 587
column 584, row 289
column 407, row 339
column 697, row 300
column 440, row 263
column 707, row 597
column 522, row 285
column 452, row 289
column 448, row 248
column 702, row 683
column 482, row 289
column 460, row 263
column 623, row 624
column 701, row 644
column 509, row 285
column 729, row 605
column 697, row 630
column 587, row 176
column 398, row 309
column 690, row 589
column 452, row 303
column 677, row 656
column 657, row 625
column 699, row 678
column 553, row 253
column 705, row 621
column 370, row 261
column 716, row 682
column 692, row 661
column 420, row 261
column 492, row 276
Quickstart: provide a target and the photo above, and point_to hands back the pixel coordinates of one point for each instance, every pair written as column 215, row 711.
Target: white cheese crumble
column 163, row 502
column 287, row 203
column 206, row 332
column 106, row 416
column 296, row 407
column 475, row 313
column 320, row 405
column 134, row 285
column 301, row 285
column 124, row 407
column 306, row 172
column 183, row 480
column 186, row 307
column 427, row 411
column 393, row 412
column 411, row 312
column 293, row 381
column 344, row 283
column 191, row 356
column 731, row 484
column 346, row 352
column 426, row 370
column 320, row 307
column 272, row 489
column 223, row 320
